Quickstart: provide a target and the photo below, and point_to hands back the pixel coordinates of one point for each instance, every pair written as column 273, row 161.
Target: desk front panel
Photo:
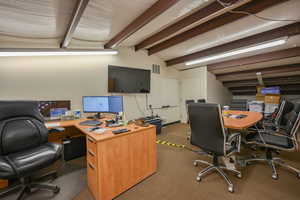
column 125, row 161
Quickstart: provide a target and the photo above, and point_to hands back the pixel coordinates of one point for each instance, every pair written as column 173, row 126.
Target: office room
column 149, row 99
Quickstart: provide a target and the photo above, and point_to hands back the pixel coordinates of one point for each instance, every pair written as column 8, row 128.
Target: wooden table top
column 101, row 136
column 244, row 123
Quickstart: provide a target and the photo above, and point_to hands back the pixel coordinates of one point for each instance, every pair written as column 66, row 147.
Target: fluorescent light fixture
column 265, row 45
column 54, row 52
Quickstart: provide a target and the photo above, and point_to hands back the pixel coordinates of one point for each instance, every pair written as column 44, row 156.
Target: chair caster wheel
column 298, row 176
column 198, row 178
column 275, row 177
column 239, row 175
column 230, row 189
column 195, row 164
column 57, row 190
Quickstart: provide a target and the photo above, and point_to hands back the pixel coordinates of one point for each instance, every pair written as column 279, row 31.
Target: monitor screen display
column 104, row 104
column 115, row 104
column 128, row 80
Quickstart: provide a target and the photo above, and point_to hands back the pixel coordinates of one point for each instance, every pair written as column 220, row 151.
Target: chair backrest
column 292, row 120
column 188, row 101
column 201, row 101
column 21, row 126
column 207, row 127
column 279, row 111
column 286, row 108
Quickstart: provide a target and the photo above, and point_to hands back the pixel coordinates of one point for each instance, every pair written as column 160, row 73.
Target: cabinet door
column 143, row 154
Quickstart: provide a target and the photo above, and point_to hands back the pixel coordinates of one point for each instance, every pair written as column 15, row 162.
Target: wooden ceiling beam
column 76, row 16
column 276, row 71
column 289, row 30
column 156, row 9
column 208, row 10
column 284, row 89
column 231, row 65
column 253, row 7
column 268, row 82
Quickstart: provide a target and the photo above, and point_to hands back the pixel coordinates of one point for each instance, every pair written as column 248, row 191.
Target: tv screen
column 128, row 80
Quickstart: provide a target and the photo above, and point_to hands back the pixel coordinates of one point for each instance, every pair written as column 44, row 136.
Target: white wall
column 192, row 86
column 197, row 84
column 216, row 92
column 71, row 77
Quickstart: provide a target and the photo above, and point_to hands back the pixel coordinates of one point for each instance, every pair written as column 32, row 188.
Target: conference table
column 241, row 124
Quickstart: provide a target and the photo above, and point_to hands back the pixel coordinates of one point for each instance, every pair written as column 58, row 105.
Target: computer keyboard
column 123, row 130
column 90, row 123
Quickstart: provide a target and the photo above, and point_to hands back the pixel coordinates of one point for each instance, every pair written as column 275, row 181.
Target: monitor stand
column 98, row 116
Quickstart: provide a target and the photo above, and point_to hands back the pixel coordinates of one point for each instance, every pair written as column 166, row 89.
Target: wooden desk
column 244, row 123
column 115, row 163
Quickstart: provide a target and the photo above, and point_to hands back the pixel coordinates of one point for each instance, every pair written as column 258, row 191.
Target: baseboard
column 170, row 123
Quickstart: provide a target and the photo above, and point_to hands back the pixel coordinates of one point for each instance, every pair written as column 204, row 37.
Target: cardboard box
column 272, row 99
column 260, row 97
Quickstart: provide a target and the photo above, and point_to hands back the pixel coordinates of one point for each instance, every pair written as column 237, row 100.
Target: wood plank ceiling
column 177, row 31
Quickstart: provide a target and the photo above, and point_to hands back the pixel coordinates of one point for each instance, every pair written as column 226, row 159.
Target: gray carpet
column 71, row 184
column 175, row 178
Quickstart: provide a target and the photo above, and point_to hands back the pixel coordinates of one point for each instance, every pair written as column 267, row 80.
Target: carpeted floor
column 175, row 178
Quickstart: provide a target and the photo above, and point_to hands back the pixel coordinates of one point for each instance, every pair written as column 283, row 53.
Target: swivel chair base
column 273, row 161
column 27, row 185
column 220, row 169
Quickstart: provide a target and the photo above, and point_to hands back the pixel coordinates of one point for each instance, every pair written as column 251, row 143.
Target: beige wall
column 216, row 92
column 192, row 86
column 71, row 77
column 197, row 84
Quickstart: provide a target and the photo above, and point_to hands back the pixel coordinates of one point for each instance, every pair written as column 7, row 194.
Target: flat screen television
column 128, row 80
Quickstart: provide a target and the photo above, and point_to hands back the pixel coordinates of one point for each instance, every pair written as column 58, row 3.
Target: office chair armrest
column 233, row 136
column 55, row 130
column 234, row 139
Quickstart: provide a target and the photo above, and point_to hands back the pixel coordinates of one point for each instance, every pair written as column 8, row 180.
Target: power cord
column 226, row 5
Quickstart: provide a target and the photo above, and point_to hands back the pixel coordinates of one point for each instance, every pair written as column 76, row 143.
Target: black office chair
column 201, row 101
column 209, row 134
column 277, row 142
column 187, row 102
column 278, row 122
column 24, row 146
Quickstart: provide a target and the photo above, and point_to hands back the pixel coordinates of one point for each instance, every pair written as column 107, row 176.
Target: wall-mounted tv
column 128, row 80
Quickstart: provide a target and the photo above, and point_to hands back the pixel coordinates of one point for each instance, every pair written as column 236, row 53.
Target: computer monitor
column 115, row 104
column 102, row 104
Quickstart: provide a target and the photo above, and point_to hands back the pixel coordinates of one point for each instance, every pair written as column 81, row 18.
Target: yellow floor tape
column 170, row 144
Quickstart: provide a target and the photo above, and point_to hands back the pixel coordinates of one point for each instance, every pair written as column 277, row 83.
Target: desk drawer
column 91, row 157
column 92, row 179
column 91, row 145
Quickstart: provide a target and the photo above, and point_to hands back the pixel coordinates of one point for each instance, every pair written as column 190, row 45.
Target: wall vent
column 156, row 69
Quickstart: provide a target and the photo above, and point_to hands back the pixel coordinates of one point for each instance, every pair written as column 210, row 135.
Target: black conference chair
column 201, row 101
column 277, row 142
column 187, row 102
column 209, row 134
column 278, row 122
column 24, row 146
